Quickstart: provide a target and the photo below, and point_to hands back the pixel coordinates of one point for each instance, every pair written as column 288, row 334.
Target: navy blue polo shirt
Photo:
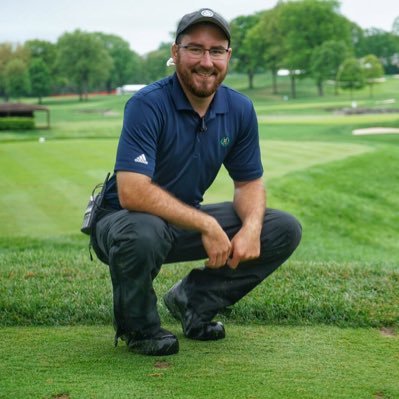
column 164, row 138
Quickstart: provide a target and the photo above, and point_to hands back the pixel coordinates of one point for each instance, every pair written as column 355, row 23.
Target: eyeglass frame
column 204, row 50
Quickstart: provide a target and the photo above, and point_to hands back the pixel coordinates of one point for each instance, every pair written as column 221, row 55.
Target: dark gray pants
column 135, row 245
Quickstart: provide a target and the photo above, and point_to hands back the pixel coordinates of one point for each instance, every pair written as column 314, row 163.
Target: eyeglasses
column 216, row 53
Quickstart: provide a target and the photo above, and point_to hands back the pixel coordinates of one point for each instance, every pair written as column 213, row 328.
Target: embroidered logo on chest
column 225, row 141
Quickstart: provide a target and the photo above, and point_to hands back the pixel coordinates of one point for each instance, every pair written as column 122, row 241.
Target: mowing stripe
column 283, row 157
column 47, row 186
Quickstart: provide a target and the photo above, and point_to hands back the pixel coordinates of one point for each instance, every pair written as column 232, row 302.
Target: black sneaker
column 193, row 326
column 163, row 343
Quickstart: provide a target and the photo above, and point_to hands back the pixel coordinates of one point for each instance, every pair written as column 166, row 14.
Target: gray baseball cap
column 203, row 15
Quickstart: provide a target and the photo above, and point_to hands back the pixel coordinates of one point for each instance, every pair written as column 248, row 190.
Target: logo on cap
column 207, row 13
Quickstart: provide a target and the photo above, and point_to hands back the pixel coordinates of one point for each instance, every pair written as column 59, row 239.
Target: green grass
column 307, row 91
column 54, row 283
column 352, row 214
column 49, row 183
column 290, row 362
column 325, row 325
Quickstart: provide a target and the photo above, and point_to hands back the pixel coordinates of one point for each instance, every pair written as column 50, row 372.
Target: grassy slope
column 55, row 284
column 348, row 208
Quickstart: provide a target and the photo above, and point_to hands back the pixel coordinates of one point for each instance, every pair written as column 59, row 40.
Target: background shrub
column 17, row 123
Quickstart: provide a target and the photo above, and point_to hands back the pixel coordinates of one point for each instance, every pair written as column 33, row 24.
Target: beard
column 200, row 86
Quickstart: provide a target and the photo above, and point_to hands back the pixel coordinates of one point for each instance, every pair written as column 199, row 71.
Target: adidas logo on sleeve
column 141, row 159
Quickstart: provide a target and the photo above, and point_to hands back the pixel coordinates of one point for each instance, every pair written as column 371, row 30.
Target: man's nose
column 206, row 59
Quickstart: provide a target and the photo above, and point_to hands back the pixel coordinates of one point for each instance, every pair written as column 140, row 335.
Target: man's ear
column 229, row 54
column 173, row 51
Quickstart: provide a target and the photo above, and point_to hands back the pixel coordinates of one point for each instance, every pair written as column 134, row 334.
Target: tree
column 246, row 56
column 155, row 63
column 306, row 25
column 326, row 60
column 44, row 50
column 372, row 69
column 17, row 82
column 40, row 79
column 127, row 65
column 351, row 75
column 357, row 34
column 384, row 45
column 5, row 57
column 395, row 26
column 265, row 40
column 83, row 59
column 9, row 52
column 47, row 53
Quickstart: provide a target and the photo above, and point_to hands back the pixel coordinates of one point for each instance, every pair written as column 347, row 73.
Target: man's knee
column 281, row 231
column 293, row 230
column 137, row 234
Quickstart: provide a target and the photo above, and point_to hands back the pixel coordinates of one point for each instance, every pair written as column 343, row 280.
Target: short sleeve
column 138, row 141
column 244, row 160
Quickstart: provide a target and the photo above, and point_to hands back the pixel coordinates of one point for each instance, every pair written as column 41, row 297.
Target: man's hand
column 217, row 245
column 250, row 204
column 245, row 246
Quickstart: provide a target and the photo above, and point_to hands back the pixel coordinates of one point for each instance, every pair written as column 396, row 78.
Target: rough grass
column 55, row 283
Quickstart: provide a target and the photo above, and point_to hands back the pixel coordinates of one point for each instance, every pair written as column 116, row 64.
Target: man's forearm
column 138, row 193
column 250, row 203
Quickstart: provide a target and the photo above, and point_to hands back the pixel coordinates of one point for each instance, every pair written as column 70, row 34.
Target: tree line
column 311, row 38
column 307, row 38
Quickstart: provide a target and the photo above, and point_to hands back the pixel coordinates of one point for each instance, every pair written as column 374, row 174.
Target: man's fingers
column 212, row 262
column 217, row 260
column 233, row 262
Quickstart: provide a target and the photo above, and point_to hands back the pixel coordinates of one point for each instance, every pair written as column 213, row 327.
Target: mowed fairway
column 47, row 185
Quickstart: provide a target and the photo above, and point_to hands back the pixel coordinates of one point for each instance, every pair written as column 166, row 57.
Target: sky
column 147, row 23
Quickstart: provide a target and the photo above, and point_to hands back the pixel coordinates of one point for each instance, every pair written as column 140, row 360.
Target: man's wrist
column 252, row 227
column 207, row 223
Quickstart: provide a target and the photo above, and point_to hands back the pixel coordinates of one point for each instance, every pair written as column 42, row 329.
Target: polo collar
column 219, row 104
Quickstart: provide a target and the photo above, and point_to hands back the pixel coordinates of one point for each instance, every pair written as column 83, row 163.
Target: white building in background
column 129, row 89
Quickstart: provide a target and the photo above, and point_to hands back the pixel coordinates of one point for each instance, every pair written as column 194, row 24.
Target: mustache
column 205, row 71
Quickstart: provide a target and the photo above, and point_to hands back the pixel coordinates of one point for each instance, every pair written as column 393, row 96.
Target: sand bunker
column 375, row 130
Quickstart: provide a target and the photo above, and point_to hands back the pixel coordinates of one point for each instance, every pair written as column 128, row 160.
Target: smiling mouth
column 205, row 75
